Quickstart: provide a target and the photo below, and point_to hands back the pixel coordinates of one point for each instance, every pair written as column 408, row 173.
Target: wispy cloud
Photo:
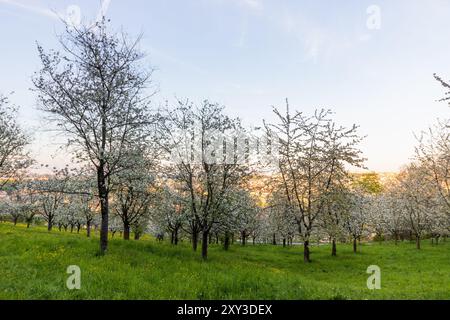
column 312, row 37
column 317, row 40
column 242, row 40
column 248, row 8
column 162, row 55
column 251, row 4
column 33, row 9
column 248, row 5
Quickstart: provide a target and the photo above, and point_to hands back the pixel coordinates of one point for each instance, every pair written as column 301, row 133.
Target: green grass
column 33, row 265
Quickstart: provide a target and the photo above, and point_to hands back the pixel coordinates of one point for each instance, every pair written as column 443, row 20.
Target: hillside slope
column 34, row 262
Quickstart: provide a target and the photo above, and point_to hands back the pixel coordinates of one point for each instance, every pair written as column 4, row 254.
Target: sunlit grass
column 34, row 262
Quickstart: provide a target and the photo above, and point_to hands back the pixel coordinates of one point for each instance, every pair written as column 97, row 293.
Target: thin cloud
column 248, row 5
column 317, row 41
column 158, row 54
column 312, row 37
column 252, row 4
column 33, row 9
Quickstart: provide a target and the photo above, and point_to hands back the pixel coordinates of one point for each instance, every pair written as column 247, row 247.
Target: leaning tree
column 95, row 90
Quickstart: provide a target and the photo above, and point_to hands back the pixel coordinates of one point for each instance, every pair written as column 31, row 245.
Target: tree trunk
column 126, row 231
column 205, row 245
column 210, row 238
column 355, row 246
column 418, row 242
column 244, row 238
column 49, row 226
column 333, row 248
column 28, row 224
column 88, row 229
column 306, row 255
column 175, row 237
column 226, row 241
column 284, row 242
column 104, row 208
column 274, row 239
column 194, row 241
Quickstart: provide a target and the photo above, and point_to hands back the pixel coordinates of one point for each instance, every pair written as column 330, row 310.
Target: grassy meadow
column 33, row 265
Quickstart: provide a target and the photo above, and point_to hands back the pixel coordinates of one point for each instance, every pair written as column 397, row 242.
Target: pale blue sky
column 252, row 54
